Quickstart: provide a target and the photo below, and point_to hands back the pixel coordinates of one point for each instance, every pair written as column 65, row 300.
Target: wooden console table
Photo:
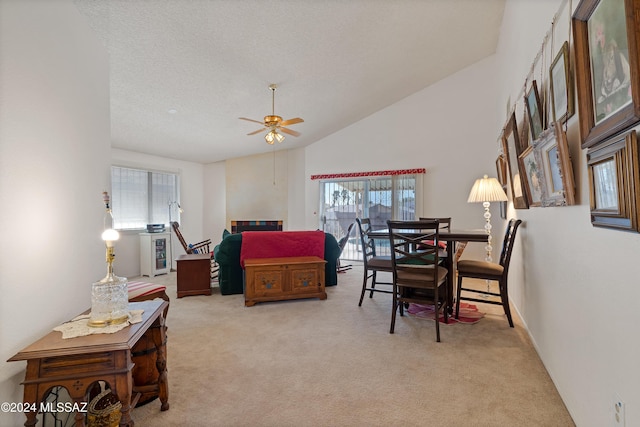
column 194, row 275
column 277, row 279
column 76, row 363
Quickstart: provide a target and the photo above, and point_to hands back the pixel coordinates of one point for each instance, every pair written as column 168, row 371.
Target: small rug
column 468, row 313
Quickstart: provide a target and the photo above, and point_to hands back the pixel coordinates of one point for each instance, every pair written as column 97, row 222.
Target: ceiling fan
column 274, row 123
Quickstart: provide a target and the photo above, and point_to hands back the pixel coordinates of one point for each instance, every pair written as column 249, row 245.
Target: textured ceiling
column 183, row 71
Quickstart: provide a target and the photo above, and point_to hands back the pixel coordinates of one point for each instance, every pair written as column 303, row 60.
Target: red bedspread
column 275, row 244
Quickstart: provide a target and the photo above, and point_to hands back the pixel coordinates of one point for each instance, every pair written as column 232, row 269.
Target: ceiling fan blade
column 251, row 120
column 291, row 121
column 257, row 131
column 289, row 131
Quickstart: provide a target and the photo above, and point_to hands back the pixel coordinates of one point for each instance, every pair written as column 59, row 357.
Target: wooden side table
column 77, row 363
column 194, row 275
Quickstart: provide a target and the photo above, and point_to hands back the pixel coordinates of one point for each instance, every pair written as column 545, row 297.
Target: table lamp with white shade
column 487, row 190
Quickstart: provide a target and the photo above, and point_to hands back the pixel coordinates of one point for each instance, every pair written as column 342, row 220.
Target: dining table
column 452, row 237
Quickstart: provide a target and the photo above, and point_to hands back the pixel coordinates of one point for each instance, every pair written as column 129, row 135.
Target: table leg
column 30, row 392
column 159, row 337
column 30, row 397
column 451, row 249
column 124, row 388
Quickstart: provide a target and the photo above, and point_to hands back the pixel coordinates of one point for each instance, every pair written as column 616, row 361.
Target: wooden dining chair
column 490, row 271
column 445, row 224
column 418, row 276
column 372, row 263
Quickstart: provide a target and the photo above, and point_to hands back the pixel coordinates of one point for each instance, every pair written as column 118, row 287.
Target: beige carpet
column 332, row 363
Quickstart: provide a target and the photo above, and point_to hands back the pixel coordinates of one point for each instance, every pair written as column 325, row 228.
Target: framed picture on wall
column 510, row 147
column 561, row 86
column 555, row 163
column 532, row 175
column 524, row 135
column 607, row 53
column 534, row 111
column 566, row 166
column 614, row 182
column 501, row 171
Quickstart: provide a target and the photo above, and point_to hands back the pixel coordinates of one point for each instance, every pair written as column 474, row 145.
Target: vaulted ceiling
column 183, row 71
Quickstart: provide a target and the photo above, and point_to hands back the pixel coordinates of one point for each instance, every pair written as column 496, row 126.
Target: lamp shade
column 487, row 190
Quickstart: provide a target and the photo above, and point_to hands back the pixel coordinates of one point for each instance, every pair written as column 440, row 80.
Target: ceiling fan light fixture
column 272, row 123
column 269, row 137
column 273, row 136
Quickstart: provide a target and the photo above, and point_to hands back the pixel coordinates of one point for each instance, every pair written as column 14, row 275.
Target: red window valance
column 376, row 173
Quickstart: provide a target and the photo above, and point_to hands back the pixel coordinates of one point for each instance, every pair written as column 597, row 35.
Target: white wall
column 191, row 200
column 296, row 191
column 54, row 165
column 244, row 188
column 446, row 128
column 257, row 188
column 577, row 284
column 215, row 196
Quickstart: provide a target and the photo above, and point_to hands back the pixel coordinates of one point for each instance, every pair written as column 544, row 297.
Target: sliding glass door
column 379, row 198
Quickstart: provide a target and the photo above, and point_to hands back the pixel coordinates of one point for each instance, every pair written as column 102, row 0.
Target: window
column 140, row 197
column 379, row 198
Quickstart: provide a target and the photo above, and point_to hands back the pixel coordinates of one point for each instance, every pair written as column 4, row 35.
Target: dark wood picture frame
column 606, row 106
column 534, row 111
column 523, row 132
column 614, row 183
column 561, row 86
column 501, row 171
column 511, row 149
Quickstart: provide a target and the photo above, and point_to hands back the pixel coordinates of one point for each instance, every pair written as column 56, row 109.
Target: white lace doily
column 79, row 326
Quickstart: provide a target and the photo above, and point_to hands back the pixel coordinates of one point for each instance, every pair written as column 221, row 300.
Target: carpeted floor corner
column 332, row 363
